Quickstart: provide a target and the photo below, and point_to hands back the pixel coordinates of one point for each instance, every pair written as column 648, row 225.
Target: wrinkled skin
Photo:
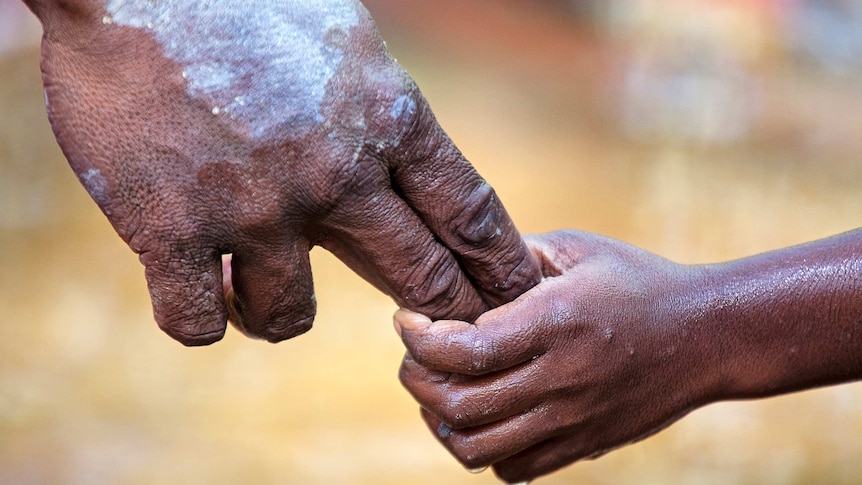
column 207, row 128
column 616, row 344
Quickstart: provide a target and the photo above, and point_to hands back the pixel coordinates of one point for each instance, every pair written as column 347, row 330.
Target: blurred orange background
column 700, row 130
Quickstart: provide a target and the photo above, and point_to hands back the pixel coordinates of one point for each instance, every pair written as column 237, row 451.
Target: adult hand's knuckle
column 482, row 220
column 338, row 180
column 401, row 114
column 517, row 277
column 361, row 175
column 433, row 285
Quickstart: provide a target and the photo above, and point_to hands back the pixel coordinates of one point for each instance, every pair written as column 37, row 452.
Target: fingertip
column 270, row 295
column 282, row 332
column 197, row 340
column 187, row 297
column 432, row 421
column 410, row 321
column 409, row 317
column 396, row 326
column 192, row 333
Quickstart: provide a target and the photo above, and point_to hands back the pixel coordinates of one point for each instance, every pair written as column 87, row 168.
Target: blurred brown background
column 700, row 130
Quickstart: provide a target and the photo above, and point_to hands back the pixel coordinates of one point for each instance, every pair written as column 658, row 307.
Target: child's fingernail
column 405, row 319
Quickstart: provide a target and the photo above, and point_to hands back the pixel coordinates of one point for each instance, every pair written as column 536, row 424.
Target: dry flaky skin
column 617, row 343
column 261, row 129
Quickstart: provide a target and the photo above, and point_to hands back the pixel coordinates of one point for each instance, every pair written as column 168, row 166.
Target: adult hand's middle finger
column 380, row 237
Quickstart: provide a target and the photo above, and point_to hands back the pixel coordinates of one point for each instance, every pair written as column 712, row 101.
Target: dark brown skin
column 616, row 344
column 368, row 173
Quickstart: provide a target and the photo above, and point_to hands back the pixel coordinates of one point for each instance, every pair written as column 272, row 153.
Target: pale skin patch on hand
column 263, row 64
column 96, row 185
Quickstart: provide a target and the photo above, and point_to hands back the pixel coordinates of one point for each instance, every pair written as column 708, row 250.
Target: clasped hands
column 189, row 164
column 576, row 366
column 260, row 129
column 199, row 135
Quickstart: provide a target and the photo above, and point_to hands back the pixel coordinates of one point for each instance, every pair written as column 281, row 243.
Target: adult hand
column 261, row 129
column 617, row 343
